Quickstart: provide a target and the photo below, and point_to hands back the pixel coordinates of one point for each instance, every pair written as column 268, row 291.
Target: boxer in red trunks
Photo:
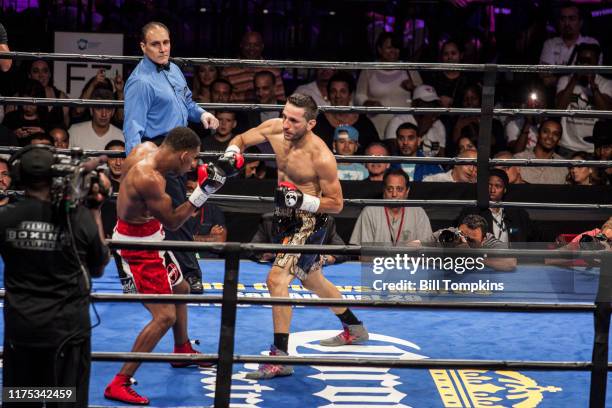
column 143, row 210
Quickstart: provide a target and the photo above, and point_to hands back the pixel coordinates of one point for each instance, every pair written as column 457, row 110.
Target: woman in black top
column 58, row 116
column 448, row 84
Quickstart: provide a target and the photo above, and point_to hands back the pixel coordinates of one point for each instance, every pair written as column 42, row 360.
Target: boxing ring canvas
column 394, row 333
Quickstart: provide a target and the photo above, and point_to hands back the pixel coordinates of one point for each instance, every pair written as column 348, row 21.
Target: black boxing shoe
column 195, row 285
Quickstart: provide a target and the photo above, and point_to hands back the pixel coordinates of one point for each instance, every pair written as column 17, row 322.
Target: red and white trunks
column 146, row 271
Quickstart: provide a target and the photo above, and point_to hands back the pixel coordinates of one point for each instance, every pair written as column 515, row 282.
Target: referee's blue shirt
column 156, row 102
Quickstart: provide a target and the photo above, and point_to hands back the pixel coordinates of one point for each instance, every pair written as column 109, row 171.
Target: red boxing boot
column 120, row 389
column 187, row 349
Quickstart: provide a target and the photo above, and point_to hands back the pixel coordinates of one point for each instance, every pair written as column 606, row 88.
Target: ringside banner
column 71, row 76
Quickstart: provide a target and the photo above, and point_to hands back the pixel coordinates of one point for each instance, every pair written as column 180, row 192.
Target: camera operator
column 51, row 244
column 472, row 233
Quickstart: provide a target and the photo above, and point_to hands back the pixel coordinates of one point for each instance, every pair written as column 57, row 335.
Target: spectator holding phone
column 102, row 79
column 28, row 120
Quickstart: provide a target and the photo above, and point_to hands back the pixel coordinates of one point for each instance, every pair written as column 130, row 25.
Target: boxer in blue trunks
column 308, row 189
column 297, row 227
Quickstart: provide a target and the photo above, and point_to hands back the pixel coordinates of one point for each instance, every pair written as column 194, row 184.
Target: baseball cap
column 425, row 93
column 346, row 132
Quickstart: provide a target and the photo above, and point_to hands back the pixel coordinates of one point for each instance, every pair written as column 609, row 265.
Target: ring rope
column 362, row 362
column 225, row 247
column 378, row 303
column 422, row 66
column 254, row 107
column 429, row 363
column 374, row 159
column 361, row 202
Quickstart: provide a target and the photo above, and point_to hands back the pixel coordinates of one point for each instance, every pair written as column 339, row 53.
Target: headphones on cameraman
column 15, row 161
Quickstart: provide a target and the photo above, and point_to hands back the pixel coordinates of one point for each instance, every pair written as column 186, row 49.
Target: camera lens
column 446, row 237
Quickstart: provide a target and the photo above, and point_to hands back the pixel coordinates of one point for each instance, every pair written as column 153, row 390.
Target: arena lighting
column 332, row 13
column 203, row 10
column 601, row 13
column 503, row 10
column 265, row 11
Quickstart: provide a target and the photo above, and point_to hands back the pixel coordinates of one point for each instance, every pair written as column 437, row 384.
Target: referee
column 158, row 100
column 49, row 254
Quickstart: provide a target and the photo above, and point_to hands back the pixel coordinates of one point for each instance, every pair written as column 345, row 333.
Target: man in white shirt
column 460, row 173
column 431, row 129
column 97, row 132
column 585, row 92
column 559, row 50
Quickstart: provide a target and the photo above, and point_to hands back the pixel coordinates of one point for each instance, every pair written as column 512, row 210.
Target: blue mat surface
column 403, row 334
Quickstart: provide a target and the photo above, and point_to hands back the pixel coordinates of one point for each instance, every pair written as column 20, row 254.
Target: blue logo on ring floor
column 361, row 387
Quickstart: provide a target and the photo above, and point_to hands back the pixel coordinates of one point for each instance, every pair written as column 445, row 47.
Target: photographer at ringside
column 51, row 242
column 472, row 233
column 595, row 239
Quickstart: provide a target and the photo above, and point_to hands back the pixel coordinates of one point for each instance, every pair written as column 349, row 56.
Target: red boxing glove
column 202, row 173
column 210, row 179
column 232, row 161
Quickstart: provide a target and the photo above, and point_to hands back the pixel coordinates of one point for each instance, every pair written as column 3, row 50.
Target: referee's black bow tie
column 162, row 67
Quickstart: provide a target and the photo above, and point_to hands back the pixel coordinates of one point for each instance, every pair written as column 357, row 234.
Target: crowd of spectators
column 437, row 135
column 346, row 133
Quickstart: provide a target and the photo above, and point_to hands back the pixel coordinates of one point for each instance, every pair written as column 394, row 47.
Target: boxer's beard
column 298, row 136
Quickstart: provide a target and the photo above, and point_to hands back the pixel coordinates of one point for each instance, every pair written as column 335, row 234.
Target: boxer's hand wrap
column 210, row 179
column 232, row 161
column 287, row 195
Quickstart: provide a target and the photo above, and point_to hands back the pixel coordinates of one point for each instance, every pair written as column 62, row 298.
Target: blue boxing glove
column 287, row 195
column 210, row 179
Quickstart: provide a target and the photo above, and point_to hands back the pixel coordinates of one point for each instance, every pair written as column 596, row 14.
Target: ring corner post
column 228, row 325
column 603, row 311
column 484, row 136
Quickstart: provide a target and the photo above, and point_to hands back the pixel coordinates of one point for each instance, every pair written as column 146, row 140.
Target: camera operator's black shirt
column 46, row 296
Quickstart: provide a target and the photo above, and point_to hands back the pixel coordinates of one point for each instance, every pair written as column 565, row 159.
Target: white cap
column 425, row 93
